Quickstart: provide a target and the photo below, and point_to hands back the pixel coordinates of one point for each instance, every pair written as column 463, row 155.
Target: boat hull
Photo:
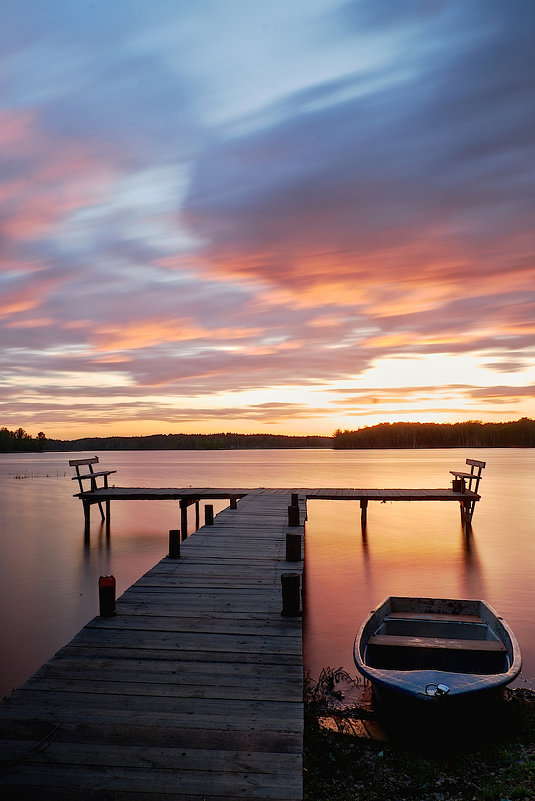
column 410, row 648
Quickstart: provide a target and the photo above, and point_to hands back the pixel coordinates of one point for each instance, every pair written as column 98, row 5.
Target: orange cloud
column 32, row 323
column 147, row 333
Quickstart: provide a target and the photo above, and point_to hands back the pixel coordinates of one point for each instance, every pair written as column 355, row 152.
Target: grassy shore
column 341, row 763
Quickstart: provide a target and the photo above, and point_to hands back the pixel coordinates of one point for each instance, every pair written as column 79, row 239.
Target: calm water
column 49, row 571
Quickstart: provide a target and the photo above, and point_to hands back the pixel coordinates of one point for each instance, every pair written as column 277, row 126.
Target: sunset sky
column 282, row 217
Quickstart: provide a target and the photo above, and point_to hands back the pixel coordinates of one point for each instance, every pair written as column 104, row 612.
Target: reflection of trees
column 20, row 440
column 471, row 434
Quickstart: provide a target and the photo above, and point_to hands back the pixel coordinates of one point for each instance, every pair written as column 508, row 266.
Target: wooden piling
column 293, row 546
column 106, row 595
column 291, row 592
column 363, row 512
column 293, row 515
column 184, row 517
column 233, row 502
column 209, row 514
column 174, row 544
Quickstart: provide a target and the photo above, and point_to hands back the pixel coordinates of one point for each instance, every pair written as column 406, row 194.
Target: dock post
column 295, row 499
column 233, row 502
column 293, row 515
column 363, row 512
column 293, row 546
column 197, row 520
column 106, row 595
column 209, row 515
column 184, row 517
column 174, row 544
column 291, row 585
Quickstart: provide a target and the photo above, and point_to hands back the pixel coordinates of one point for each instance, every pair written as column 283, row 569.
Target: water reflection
column 403, row 550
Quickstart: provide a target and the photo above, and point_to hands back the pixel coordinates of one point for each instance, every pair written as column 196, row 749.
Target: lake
column 49, row 570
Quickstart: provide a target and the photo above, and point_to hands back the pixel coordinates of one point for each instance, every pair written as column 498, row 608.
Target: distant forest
column 472, row 434
column 188, row 442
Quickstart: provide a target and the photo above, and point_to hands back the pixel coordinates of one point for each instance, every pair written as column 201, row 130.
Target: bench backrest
column 77, row 462
column 476, row 468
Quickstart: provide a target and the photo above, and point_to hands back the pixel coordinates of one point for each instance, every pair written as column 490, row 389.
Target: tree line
column 189, row 442
column 471, row 434
column 20, row 440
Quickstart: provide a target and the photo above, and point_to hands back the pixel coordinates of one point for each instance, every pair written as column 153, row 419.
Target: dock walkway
column 193, row 690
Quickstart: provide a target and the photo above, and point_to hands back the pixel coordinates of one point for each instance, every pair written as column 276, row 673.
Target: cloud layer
column 215, row 215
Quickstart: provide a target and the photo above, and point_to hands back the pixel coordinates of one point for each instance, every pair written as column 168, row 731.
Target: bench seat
column 449, row 643
column 94, row 475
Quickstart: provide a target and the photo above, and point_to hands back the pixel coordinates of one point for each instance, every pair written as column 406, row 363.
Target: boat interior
column 457, row 643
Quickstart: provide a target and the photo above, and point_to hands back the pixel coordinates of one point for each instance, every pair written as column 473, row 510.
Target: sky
column 283, row 217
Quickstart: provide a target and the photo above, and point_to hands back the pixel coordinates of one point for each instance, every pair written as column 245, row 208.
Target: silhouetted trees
column 190, row 442
column 471, row 434
column 20, row 440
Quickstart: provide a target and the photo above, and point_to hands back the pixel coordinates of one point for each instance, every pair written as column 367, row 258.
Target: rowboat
column 433, row 649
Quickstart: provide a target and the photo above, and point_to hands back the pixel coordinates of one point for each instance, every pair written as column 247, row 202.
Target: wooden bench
column 474, row 475
column 91, row 476
column 460, row 477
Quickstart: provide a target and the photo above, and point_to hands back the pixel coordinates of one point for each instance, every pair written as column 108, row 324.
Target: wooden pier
column 193, row 690
column 464, row 490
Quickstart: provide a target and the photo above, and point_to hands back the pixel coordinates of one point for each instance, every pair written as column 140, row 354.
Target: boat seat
column 409, row 652
column 434, row 616
column 410, row 641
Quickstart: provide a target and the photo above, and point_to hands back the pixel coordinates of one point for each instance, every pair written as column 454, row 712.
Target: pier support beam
column 363, row 513
column 184, row 517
